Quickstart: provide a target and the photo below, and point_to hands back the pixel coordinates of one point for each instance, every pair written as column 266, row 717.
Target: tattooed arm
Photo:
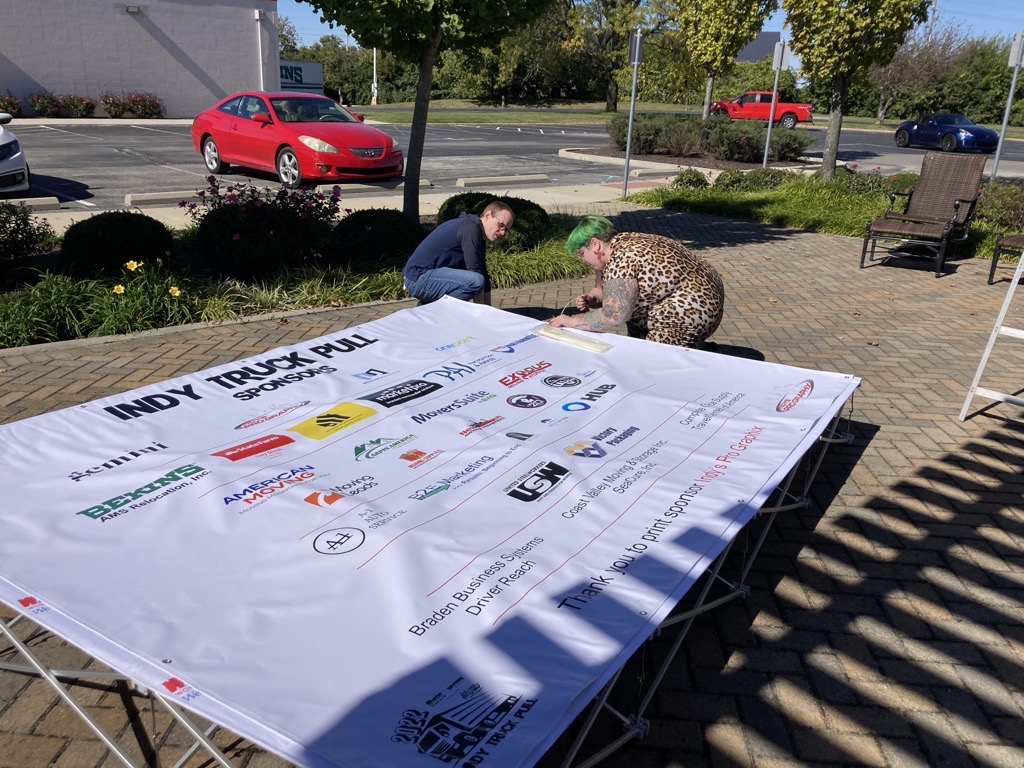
column 619, row 302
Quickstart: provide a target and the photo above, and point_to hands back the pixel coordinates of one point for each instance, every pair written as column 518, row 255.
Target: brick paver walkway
column 884, row 624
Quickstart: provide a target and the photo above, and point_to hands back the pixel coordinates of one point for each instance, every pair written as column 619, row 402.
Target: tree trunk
column 835, row 126
column 611, row 103
column 709, row 85
column 884, row 105
column 418, row 130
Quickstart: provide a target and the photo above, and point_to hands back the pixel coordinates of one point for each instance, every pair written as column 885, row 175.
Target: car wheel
column 211, row 156
column 902, row 138
column 288, row 168
column 788, row 121
column 948, row 143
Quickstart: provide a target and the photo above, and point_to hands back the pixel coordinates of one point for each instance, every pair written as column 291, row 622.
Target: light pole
column 636, row 40
column 373, row 88
column 779, row 62
column 1016, row 55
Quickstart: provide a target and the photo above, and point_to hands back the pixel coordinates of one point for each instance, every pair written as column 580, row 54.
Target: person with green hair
column 660, row 289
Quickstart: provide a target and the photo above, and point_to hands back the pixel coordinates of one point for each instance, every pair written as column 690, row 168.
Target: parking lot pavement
column 884, row 623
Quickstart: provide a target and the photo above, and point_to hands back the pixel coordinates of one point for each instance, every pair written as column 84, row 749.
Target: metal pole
column 373, row 91
column 1019, row 47
column 632, row 107
column 771, row 118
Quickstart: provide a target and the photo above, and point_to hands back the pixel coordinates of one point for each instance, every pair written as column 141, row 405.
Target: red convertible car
column 297, row 136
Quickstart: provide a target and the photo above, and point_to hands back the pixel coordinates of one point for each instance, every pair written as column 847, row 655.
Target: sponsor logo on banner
column 339, row 541
column 554, row 422
column 588, row 449
column 340, row 417
column 462, row 477
column 254, row 447
column 271, row 415
column 480, row 362
column 33, row 605
column 536, row 482
column 454, row 344
column 418, row 458
column 520, row 435
column 180, row 689
column 460, row 402
column 614, row 436
column 324, row 498
column 370, row 374
column 562, row 381
column 475, row 426
column 526, row 401
column 450, row 372
column 162, row 486
column 257, row 492
column 399, row 394
column 431, row 490
column 117, row 461
column 514, row 379
column 795, row 394
column 592, row 396
column 374, row 448
column 511, row 346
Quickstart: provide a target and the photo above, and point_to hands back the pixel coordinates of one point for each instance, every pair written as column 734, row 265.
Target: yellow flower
column 131, row 266
column 174, row 291
column 118, row 289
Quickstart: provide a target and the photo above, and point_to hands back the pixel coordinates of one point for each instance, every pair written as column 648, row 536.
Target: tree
column 417, row 31
column 716, row 30
column 836, row 39
column 925, row 60
column 287, row 38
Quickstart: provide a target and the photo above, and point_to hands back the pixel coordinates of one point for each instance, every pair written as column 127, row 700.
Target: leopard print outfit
column 681, row 296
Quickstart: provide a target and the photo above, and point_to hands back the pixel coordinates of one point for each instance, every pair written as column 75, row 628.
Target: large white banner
column 429, row 537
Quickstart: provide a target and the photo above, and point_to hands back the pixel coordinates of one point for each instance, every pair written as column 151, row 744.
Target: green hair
column 589, row 226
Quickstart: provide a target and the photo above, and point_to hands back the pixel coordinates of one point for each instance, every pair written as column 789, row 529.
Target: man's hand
column 585, row 301
column 558, row 321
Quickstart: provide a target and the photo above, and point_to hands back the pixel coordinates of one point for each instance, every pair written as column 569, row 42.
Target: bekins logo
column 537, row 482
column 111, row 506
column 270, row 415
column 340, row 417
column 254, row 447
column 399, row 394
column 795, row 395
column 529, row 371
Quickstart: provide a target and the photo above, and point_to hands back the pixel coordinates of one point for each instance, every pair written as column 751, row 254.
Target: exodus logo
column 472, row 397
column 562, row 381
column 262, row 489
column 111, row 505
column 270, row 415
column 117, row 461
column 520, row 376
column 590, row 397
column 449, row 372
column 536, row 482
column 254, row 447
column 588, row 449
column 526, row 401
column 325, row 498
column 454, row 344
column 375, row 448
column 483, row 463
column 340, row 417
column 510, row 347
column 399, row 394
column 480, row 424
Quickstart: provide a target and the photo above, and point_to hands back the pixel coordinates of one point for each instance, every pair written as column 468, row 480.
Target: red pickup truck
column 755, row 105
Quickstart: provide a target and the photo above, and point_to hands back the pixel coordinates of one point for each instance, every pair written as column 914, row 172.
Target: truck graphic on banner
column 456, row 724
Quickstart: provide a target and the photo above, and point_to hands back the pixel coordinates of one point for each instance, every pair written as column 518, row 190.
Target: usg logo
column 537, row 482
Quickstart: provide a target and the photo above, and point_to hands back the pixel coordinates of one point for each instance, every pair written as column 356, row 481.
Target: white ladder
column 998, row 330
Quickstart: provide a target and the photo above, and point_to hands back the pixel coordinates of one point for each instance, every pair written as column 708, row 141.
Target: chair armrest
column 892, row 201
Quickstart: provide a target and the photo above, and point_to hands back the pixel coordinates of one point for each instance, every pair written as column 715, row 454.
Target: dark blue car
column 948, row 131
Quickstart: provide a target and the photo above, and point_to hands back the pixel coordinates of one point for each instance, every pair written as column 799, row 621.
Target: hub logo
column 561, row 381
column 526, row 401
column 270, row 415
column 588, row 449
column 254, row 447
column 399, row 394
column 537, row 482
column 340, row 417
column 590, row 397
column 514, row 379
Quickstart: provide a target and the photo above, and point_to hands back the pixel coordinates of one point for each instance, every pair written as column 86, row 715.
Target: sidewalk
column 885, row 623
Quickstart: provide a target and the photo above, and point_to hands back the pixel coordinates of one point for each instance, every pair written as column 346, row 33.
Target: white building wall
column 187, row 52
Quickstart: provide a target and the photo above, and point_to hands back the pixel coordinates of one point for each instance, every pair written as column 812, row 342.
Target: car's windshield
column 295, row 109
column 952, row 119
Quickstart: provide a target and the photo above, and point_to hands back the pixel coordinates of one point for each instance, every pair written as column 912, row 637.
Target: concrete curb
column 40, row 203
column 503, row 181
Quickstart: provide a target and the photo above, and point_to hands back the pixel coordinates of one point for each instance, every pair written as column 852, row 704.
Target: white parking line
column 156, row 130
column 70, row 133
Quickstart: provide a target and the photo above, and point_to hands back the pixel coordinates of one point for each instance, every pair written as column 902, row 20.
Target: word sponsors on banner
column 428, row 538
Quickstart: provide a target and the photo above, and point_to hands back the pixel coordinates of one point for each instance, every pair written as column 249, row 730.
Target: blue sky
column 983, row 17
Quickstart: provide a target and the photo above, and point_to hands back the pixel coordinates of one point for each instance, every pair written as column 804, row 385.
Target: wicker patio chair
column 938, row 211
column 1005, row 244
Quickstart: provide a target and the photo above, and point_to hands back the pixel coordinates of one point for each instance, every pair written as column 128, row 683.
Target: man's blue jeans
column 435, row 283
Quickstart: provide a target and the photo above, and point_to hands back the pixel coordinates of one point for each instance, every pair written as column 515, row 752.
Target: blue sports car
column 948, row 131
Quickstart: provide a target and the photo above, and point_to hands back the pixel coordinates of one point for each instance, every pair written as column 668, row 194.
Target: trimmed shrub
column 114, row 104
column 76, row 106
column 691, row 178
column 684, row 137
column 757, row 180
column 788, row 145
column 374, row 240
column 532, row 224
column 11, row 104
column 45, row 104
column 102, row 244
column 649, row 130
column 141, row 105
column 21, row 235
column 1002, row 204
column 741, row 142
